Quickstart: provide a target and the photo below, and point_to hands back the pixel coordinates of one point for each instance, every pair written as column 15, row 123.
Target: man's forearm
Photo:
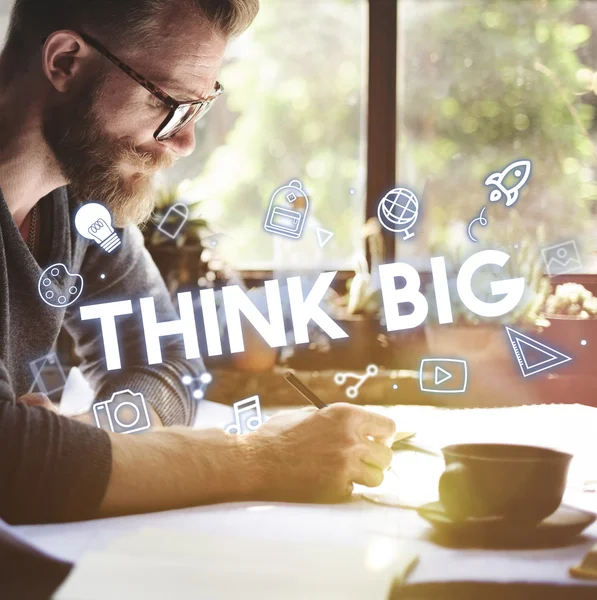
column 302, row 455
column 176, row 467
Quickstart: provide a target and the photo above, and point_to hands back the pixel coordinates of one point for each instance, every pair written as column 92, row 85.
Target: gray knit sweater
column 53, row 468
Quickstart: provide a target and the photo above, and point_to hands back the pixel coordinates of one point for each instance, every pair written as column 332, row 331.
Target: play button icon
column 441, row 375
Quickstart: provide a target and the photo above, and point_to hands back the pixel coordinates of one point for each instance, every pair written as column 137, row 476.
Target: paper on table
column 157, row 563
column 587, row 569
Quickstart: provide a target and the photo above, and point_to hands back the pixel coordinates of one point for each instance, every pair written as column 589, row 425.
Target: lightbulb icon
column 94, row 222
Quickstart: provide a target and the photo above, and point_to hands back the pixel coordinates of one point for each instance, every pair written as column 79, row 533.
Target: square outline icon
column 437, row 391
column 577, row 260
column 37, row 373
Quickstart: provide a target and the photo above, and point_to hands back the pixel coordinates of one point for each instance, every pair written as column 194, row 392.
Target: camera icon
column 125, row 412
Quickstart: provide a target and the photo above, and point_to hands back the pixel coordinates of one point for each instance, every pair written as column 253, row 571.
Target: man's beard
column 92, row 162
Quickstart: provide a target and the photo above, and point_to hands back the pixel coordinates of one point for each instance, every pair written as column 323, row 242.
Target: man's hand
column 317, row 455
column 38, row 399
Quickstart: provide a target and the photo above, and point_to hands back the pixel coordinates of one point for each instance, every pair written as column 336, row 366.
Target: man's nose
column 183, row 143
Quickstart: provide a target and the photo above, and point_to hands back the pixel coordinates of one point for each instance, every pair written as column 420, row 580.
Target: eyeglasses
column 181, row 112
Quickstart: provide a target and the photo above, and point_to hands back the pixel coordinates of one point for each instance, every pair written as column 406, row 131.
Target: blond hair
column 122, row 23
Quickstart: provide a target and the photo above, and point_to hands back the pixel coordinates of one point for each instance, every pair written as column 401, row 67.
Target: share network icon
column 533, row 356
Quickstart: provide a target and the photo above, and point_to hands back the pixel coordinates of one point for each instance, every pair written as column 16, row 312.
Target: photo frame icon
column 562, row 258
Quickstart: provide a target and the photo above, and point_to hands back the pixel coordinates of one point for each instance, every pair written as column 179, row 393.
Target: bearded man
column 95, row 97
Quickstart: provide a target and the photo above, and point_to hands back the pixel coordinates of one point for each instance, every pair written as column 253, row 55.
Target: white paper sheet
column 157, row 563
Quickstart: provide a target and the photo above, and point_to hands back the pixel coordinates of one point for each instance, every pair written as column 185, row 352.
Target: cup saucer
column 557, row 529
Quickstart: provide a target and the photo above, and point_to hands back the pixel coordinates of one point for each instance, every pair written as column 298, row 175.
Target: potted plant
column 357, row 312
column 569, row 324
column 178, row 258
column 494, row 377
column 483, row 341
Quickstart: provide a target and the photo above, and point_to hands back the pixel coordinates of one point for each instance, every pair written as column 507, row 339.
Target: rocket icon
column 521, row 170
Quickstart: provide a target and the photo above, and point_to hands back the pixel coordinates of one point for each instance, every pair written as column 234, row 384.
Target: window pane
column 481, row 85
column 293, row 109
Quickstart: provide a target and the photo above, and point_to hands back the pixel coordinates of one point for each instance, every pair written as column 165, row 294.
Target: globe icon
column 398, row 211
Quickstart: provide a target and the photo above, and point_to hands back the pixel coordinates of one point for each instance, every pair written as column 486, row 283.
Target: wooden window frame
column 382, row 110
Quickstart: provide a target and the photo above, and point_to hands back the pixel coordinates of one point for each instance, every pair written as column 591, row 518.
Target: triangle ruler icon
column 533, row 356
column 323, row 236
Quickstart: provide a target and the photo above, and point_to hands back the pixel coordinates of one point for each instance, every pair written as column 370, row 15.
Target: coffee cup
column 524, row 484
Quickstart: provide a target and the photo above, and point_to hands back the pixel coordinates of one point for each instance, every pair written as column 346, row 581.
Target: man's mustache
column 149, row 161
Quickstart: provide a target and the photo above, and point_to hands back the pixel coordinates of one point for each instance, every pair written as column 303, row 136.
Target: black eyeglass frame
column 194, row 106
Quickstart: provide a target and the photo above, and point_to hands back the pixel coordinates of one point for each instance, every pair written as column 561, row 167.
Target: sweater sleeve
column 53, row 469
column 129, row 273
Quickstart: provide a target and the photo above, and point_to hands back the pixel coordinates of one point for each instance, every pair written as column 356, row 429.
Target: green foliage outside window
column 490, row 82
column 294, row 92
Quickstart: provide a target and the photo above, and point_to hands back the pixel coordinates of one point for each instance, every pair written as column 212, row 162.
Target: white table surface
column 353, row 522
column 569, row 427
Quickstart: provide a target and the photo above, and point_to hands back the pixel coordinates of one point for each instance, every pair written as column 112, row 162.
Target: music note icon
column 251, row 423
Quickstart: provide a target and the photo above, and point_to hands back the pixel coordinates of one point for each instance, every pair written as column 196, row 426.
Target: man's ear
column 64, row 57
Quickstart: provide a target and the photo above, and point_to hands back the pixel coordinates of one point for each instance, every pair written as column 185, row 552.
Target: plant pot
column 405, row 348
column 179, row 267
column 475, row 343
column 493, row 375
column 587, row 280
column 565, row 334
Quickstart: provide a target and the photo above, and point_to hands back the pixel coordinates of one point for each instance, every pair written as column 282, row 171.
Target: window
column 294, row 109
column 481, row 84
